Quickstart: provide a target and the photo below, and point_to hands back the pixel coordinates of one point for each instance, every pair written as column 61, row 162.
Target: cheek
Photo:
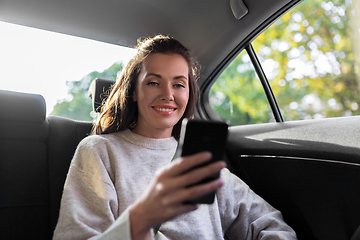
column 145, row 97
column 184, row 99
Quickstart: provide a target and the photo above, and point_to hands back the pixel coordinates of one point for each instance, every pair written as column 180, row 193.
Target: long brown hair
column 120, row 112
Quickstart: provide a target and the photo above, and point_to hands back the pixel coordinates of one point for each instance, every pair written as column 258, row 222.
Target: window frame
column 204, row 109
column 209, row 112
column 265, row 83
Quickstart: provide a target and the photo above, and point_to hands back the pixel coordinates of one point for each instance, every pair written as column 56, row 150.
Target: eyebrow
column 180, row 76
column 153, row 74
column 159, row 76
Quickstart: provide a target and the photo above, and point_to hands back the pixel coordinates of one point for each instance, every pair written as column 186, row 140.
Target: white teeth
column 164, row 109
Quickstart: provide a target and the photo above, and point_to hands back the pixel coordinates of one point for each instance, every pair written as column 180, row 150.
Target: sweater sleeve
column 89, row 205
column 248, row 216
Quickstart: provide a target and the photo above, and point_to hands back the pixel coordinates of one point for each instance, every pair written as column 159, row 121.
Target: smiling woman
column 37, row 61
column 121, row 108
column 129, row 162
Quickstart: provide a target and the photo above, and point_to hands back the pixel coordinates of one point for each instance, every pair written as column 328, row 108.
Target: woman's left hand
column 164, row 198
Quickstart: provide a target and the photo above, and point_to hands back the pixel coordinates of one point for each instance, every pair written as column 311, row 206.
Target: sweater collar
column 150, row 143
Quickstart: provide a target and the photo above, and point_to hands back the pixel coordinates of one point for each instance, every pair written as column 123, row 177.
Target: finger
column 184, row 164
column 190, row 178
column 199, row 190
column 180, row 208
column 196, row 175
column 186, row 194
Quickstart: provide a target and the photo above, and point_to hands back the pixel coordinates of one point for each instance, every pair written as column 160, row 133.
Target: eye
column 152, row 83
column 179, row 86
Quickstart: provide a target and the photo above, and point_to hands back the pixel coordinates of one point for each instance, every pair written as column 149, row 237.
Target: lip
column 165, row 110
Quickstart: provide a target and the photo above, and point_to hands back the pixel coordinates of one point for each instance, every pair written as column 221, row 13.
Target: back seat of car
column 35, row 154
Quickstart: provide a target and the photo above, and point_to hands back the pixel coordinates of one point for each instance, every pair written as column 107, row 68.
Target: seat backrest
column 65, row 135
column 35, row 154
column 24, row 132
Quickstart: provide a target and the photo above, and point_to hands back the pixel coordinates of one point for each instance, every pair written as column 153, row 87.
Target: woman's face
column 162, row 94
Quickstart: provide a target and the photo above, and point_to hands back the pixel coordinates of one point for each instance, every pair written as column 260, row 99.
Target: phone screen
column 200, row 135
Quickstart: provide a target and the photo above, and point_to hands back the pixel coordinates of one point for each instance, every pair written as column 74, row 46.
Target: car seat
column 35, row 154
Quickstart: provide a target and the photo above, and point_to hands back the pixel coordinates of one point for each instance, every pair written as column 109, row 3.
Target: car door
column 292, row 97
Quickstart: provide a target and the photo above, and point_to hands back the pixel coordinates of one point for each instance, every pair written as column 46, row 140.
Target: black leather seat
column 35, row 153
column 24, row 180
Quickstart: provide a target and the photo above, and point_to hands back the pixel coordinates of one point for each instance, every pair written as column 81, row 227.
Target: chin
column 166, row 125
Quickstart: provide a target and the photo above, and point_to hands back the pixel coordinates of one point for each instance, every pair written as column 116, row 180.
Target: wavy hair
column 119, row 111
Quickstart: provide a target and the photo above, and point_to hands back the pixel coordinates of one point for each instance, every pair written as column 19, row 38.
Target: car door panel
column 310, row 170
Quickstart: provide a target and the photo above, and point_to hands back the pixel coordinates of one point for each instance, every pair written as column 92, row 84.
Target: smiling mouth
column 165, row 109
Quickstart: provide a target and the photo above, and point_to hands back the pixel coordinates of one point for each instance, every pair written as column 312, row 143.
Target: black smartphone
column 201, row 135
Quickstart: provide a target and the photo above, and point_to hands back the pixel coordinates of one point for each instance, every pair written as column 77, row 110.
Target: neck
column 153, row 133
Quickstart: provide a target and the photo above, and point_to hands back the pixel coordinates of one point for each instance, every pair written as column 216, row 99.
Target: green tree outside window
column 310, row 56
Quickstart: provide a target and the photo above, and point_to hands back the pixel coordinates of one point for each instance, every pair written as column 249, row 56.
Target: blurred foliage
column 238, row 95
column 309, row 56
column 79, row 106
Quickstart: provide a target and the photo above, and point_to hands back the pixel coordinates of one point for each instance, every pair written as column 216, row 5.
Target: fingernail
column 219, row 182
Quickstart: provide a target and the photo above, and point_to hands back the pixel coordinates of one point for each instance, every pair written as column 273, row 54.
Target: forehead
column 166, row 63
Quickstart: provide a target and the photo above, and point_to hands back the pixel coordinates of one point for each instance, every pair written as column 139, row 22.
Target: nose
column 167, row 93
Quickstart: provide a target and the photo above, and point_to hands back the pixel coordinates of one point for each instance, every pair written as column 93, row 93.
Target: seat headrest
column 24, row 107
column 99, row 90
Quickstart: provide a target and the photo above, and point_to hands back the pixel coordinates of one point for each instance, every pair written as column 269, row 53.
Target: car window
column 311, row 59
column 57, row 66
column 238, row 95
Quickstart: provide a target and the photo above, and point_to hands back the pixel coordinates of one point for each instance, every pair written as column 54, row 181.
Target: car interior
column 308, row 169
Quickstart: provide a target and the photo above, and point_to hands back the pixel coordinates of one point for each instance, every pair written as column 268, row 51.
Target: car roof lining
column 207, row 27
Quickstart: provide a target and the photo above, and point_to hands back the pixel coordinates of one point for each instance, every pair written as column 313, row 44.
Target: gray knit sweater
column 109, row 172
